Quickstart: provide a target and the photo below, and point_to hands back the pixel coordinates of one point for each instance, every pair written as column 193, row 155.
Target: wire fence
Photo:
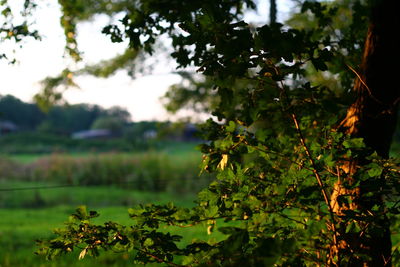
column 36, row 188
column 159, row 182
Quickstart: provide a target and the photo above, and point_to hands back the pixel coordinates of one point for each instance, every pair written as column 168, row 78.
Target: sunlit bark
column 373, row 118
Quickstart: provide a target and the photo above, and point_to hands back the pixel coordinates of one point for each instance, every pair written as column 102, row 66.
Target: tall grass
column 99, row 180
column 150, row 171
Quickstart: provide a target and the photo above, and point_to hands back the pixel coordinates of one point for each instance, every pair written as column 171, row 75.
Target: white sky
column 38, row 60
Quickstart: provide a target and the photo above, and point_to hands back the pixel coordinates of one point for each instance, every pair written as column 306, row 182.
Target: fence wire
column 131, row 183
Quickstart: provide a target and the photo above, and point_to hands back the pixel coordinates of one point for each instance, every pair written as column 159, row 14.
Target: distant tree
column 26, row 116
column 67, row 119
column 113, row 124
column 59, row 119
column 119, row 113
column 194, row 92
column 136, row 131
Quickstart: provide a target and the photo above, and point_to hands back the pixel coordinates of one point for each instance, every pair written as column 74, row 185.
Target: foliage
column 115, row 120
column 275, row 148
column 113, row 124
column 193, row 92
column 137, row 131
column 14, row 29
column 27, row 117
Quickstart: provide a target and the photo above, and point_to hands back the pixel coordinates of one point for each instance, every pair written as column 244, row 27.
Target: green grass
column 29, row 158
column 20, row 227
column 26, row 196
column 28, row 213
column 24, row 158
column 176, row 149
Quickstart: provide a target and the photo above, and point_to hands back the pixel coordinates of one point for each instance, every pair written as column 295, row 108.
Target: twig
column 159, row 260
column 312, row 161
column 291, row 219
column 278, row 154
column 317, row 176
column 365, row 84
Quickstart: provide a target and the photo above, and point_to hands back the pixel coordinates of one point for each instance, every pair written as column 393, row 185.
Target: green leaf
column 231, row 127
column 80, row 213
column 148, row 242
column 354, row 143
column 211, row 212
column 228, row 230
column 353, row 227
column 375, row 170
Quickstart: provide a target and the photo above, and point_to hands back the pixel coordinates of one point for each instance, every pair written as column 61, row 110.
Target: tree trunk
column 273, row 10
column 372, row 117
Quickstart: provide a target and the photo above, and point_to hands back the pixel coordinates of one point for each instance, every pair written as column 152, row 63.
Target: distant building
column 7, row 127
column 190, row 132
column 93, row 134
column 184, row 133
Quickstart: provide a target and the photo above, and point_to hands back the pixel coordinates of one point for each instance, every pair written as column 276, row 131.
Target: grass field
column 30, row 208
column 20, row 225
column 174, row 148
column 20, row 228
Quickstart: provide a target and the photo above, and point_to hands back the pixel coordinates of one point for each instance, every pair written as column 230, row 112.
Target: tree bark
column 273, row 10
column 371, row 117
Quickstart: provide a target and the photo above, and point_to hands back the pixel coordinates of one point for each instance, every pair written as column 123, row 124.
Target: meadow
column 39, row 192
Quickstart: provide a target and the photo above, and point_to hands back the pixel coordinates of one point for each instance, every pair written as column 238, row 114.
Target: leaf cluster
column 14, row 30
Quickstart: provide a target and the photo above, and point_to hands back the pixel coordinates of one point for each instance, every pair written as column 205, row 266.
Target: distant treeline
column 35, row 131
column 62, row 120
